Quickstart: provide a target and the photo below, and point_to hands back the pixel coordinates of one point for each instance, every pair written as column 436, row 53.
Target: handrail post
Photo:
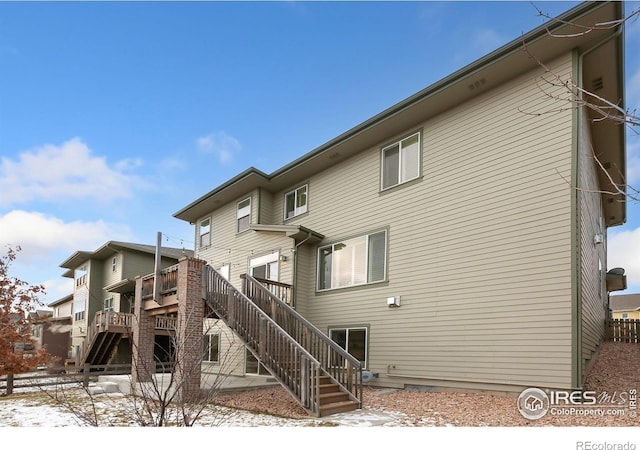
column 262, row 337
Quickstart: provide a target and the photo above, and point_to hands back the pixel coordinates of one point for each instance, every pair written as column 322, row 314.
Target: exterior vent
column 477, row 84
column 597, row 84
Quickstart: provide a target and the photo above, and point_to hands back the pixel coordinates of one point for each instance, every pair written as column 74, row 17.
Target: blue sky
column 115, row 115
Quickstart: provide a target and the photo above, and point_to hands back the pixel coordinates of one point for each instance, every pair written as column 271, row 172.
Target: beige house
column 104, row 282
column 625, row 306
column 457, row 239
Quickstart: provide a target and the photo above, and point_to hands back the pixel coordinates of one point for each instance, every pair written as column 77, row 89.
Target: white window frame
column 363, row 266
column 114, row 263
column 625, row 315
column 204, row 237
column 207, row 341
column 225, row 271
column 295, row 193
column 406, row 161
column 107, row 304
column 242, row 213
column 271, row 263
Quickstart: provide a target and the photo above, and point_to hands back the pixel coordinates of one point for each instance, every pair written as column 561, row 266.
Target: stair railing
column 288, row 361
column 101, row 322
column 337, row 362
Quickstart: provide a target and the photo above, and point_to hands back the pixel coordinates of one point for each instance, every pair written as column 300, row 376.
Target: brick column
column 189, row 328
column 143, row 341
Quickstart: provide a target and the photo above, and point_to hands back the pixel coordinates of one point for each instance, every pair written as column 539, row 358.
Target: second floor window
column 401, row 161
column 108, row 304
column 353, row 262
column 295, row 202
column 205, row 232
column 244, row 214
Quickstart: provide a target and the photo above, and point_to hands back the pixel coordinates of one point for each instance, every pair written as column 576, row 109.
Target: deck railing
column 337, row 362
column 168, row 282
column 117, row 322
column 103, row 321
column 296, row 369
column 281, row 290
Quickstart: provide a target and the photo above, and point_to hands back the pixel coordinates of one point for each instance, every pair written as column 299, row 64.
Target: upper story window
column 295, row 202
column 81, row 276
column 244, row 214
column 114, row 263
column 401, row 161
column 108, row 304
column 353, row 262
column 205, row 232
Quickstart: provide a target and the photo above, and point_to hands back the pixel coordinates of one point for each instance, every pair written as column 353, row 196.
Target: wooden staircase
column 103, row 336
column 317, row 372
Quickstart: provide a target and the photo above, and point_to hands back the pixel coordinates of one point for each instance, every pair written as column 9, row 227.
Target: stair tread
column 338, row 407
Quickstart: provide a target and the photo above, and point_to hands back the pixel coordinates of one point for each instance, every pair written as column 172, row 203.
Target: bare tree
column 568, row 94
column 158, row 401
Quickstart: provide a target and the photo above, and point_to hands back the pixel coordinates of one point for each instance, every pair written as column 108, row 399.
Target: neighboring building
column 104, row 280
column 52, row 332
column 457, row 239
column 625, row 306
column 56, row 331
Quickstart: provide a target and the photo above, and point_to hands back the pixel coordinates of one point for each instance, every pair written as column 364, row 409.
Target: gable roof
column 627, row 302
column 113, row 247
column 604, row 62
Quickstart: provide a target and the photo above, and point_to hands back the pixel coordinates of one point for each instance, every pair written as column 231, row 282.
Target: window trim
column 365, row 363
column 108, row 304
column 398, row 143
column 238, row 211
column 294, row 192
column 201, row 235
column 367, row 267
column 207, row 354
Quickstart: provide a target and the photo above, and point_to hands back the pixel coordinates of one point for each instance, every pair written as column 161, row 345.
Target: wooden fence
column 70, row 375
column 623, row 330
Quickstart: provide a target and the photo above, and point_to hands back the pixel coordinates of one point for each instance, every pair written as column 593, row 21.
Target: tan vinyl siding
column 479, row 247
column 593, row 308
column 231, row 354
column 228, row 247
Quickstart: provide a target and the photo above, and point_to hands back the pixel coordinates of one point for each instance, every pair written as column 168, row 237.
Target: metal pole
column 156, row 279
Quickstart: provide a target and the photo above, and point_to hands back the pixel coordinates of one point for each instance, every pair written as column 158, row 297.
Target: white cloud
column 40, row 235
column 623, row 251
column 67, row 171
column 221, row 144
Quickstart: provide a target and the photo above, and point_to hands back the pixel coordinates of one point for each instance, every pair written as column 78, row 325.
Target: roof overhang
column 472, row 80
column 298, row 233
column 122, row 287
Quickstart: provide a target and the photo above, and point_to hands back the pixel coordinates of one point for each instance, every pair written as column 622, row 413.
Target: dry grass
column 617, row 369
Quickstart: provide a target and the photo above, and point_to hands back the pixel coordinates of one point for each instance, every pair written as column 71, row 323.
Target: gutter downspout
column 295, row 269
column 576, row 333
